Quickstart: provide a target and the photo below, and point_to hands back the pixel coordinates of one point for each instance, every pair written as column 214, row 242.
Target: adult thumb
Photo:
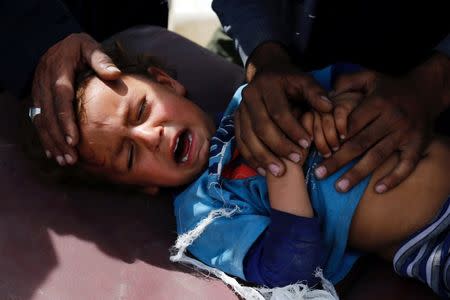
column 355, row 82
column 103, row 65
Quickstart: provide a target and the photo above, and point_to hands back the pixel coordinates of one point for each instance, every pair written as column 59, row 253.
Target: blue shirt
column 226, row 241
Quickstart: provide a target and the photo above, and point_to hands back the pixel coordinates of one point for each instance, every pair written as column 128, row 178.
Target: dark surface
column 70, row 241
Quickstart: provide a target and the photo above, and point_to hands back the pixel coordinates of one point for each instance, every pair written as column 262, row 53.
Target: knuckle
column 377, row 155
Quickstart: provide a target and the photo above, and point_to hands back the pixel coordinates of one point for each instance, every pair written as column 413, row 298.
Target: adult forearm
column 289, row 193
column 251, row 23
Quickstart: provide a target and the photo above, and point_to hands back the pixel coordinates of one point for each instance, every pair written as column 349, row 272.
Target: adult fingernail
column 69, row 140
column 326, row 155
column 274, row 169
column 320, row 172
column 68, row 158
column 304, row 143
column 261, row 171
column 295, row 157
column 325, row 99
column 48, row 154
column 60, row 160
column 335, row 148
column 343, row 185
column 112, row 69
column 342, row 137
column 381, row 188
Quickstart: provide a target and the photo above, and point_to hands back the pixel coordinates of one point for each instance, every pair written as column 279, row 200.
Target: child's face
column 143, row 132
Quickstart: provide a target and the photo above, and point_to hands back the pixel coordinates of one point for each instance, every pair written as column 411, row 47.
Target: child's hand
column 329, row 129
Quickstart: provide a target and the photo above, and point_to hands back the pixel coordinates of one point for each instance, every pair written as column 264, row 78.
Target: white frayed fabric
column 296, row 291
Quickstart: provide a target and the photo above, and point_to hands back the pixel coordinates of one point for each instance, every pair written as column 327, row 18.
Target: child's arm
column 288, row 193
column 290, row 249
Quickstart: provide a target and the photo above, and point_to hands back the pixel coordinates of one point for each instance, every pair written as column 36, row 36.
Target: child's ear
column 151, row 190
column 163, row 78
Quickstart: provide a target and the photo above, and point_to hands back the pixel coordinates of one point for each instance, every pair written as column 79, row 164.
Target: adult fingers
column 258, row 151
column 358, row 145
column 46, row 122
column 304, row 87
column 365, row 113
column 409, row 158
column 242, row 147
column 63, row 105
column 360, row 81
column 368, row 163
column 51, row 150
column 281, row 113
column 94, row 56
column 262, row 125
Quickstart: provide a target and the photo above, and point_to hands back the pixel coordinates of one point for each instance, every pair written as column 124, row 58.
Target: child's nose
column 149, row 136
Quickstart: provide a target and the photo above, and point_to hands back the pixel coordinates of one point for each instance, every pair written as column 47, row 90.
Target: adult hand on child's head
column 53, row 91
column 265, row 126
column 396, row 114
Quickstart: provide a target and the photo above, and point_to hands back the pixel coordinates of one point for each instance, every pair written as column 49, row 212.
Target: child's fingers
column 319, row 137
column 329, row 130
column 344, row 105
column 307, row 121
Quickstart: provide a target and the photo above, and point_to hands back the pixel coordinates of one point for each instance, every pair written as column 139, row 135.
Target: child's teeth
column 176, row 145
column 190, row 142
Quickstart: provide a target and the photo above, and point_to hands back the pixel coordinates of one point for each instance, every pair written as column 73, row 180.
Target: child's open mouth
column 182, row 147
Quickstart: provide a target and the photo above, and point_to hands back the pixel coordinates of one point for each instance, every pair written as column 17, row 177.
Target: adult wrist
column 268, row 53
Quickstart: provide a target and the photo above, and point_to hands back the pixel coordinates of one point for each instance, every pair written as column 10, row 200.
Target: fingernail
column 295, row 157
column 320, row 172
column 381, row 188
column 261, row 171
column 274, row 169
column 304, row 143
column 342, row 137
column 112, row 69
column 69, row 140
column 326, row 155
column 60, row 160
column 68, row 158
column 335, row 148
column 48, row 154
column 326, row 99
column 343, row 185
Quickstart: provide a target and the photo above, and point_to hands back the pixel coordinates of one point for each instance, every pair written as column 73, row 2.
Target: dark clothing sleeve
column 28, row 29
column 251, row 23
column 288, row 251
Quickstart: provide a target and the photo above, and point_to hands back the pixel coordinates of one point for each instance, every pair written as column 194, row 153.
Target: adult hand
column 266, row 129
column 53, row 91
column 396, row 114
